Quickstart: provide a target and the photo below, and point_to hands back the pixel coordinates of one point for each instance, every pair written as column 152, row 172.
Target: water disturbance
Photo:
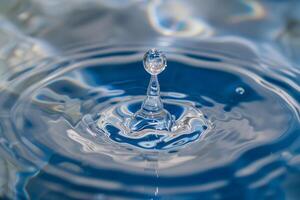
column 151, row 126
column 89, row 110
column 93, row 123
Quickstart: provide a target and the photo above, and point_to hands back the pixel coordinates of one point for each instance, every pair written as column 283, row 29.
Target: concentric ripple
column 51, row 114
column 114, row 121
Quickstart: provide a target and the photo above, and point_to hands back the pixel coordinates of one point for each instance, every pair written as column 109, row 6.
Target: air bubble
column 240, row 90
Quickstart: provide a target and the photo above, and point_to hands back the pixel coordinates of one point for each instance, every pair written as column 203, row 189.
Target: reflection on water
column 236, row 61
column 175, row 19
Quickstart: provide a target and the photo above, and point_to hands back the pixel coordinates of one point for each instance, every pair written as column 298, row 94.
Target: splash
column 143, row 122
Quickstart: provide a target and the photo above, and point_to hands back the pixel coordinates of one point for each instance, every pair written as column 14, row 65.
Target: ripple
column 49, row 114
column 113, row 121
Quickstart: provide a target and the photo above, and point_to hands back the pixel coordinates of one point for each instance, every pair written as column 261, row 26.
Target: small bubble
column 240, row 90
column 154, row 61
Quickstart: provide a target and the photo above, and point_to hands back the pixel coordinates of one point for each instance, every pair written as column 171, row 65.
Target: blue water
column 252, row 146
column 64, row 69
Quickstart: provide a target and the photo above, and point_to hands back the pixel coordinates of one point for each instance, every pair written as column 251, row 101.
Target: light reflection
column 142, row 159
column 174, row 19
column 256, row 12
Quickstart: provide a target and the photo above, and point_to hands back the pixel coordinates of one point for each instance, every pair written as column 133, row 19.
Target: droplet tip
column 154, row 61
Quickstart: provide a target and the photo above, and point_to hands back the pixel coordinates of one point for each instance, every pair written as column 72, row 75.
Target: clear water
column 237, row 67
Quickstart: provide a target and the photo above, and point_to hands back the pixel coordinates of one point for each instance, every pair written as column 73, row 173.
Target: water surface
column 239, row 68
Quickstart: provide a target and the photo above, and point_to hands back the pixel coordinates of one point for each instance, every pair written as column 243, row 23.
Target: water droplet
column 152, row 126
column 152, row 114
column 240, row 90
column 154, row 61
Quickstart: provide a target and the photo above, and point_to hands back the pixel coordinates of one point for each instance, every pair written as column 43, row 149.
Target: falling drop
column 152, row 115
